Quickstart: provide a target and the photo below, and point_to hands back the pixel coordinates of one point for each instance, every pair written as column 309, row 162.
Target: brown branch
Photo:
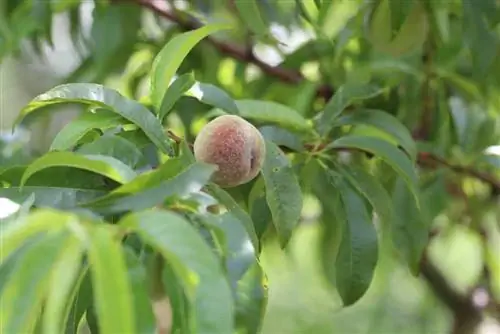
column 428, row 159
column 188, row 23
column 466, row 314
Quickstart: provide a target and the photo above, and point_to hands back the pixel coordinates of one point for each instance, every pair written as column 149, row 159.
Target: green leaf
column 336, row 16
column 54, row 197
column 251, row 300
column 98, row 95
column 249, row 12
column 82, row 301
column 213, row 96
column 112, row 290
column 358, row 252
column 181, row 85
column 283, row 192
column 258, row 207
column 273, row 113
column 190, row 180
column 178, row 299
column 410, row 231
column 115, row 147
column 383, row 121
column 15, row 234
column 204, row 279
column 72, row 132
column 282, row 137
column 107, row 166
column 62, row 279
column 22, row 297
column 368, row 186
column 171, row 56
column 232, row 206
column 145, row 319
column 240, row 252
column 343, row 97
column 383, row 149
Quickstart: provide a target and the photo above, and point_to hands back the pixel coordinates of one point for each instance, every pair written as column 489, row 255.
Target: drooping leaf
column 82, row 301
column 272, row 113
column 240, row 252
column 107, row 98
column 410, row 230
column 368, row 186
column 72, row 132
column 62, row 280
column 249, row 12
column 283, row 192
column 103, row 165
column 145, row 320
column 112, row 289
column 22, row 297
column 383, row 149
column 282, row 137
column 171, row 56
column 43, row 220
column 232, row 206
column 113, row 146
column 190, row 180
column 343, row 97
column 54, row 197
column 202, row 274
column 181, row 85
column 178, row 299
column 383, row 121
column 251, row 300
column 213, row 96
column 358, row 252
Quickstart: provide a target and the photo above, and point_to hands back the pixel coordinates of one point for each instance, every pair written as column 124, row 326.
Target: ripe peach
column 235, row 146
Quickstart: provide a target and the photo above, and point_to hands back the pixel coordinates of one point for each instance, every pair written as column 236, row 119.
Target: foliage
column 386, row 117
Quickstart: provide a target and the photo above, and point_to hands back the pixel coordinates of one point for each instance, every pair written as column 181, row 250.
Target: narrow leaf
column 63, row 277
column 213, row 96
column 72, row 132
column 232, row 206
column 115, row 147
column 368, row 186
column 180, row 243
column 106, row 166
column 343, row 97
column 383, row 121
column 250, row 14
column 383, row 149
column 181, row 85
column 283, row 193
column 145, row 320
column 22, row 298
column 190, row 180
column 43, row 220
column 171, row 56
column 273, row 113
column 358, row 253
column 112, row 290
column 98, row 95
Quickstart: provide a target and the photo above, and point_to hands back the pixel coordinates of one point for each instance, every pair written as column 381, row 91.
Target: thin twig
column 431, row 160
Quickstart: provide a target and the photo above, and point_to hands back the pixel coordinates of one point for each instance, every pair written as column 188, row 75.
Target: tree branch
column 428, row 159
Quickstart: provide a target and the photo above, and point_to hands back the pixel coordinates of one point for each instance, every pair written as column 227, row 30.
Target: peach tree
column 151, row 208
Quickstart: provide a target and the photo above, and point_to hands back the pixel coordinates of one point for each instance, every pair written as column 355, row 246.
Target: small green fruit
column 235, row 146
